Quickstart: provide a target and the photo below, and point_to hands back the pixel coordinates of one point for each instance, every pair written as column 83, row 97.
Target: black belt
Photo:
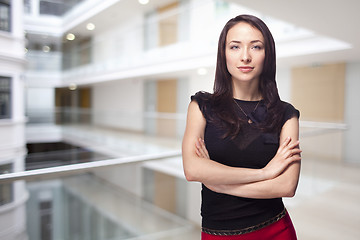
column 245, row 230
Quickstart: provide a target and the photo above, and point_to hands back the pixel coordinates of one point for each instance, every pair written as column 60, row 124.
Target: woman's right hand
column 286, row 154
column 200, row 149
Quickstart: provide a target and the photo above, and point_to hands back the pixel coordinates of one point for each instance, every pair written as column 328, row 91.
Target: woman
column 251, row 158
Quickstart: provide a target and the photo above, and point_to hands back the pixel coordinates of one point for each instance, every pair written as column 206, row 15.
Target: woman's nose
column 245, row 56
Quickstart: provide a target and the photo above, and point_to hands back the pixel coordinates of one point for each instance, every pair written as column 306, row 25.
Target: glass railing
column 84, row 207
column 39, row 61
column 74, row 202
column 6, row 190
column 61, row 158
column 63, row 115
column 72, row 194
column 150, row 123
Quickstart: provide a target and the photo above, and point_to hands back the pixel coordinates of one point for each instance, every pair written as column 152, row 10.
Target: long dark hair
column 222, row 97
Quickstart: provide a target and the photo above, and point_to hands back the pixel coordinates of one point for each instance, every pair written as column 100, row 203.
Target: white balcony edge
column 82, row 167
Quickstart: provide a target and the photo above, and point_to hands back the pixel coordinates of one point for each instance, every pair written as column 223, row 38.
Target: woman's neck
column 246, row 92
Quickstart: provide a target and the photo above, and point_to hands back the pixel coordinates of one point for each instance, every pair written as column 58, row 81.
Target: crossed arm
column 278, row 178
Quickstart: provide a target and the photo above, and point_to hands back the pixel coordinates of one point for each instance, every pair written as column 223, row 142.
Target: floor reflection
column 84, row 207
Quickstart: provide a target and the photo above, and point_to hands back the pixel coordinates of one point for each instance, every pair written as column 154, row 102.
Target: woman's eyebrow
column 256, row 41
column 253, row 41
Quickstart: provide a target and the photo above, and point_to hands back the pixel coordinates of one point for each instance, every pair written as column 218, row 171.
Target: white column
column 35, row 8
column 352, row 112
column 17, row 12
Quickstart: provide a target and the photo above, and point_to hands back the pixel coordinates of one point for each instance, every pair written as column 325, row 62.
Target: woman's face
column 245, row 52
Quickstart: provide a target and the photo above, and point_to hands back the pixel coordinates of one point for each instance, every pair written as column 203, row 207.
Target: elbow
column 189, row 174
column 290, row 190
column 290, row 193
column 189, row 178
column 191, row 171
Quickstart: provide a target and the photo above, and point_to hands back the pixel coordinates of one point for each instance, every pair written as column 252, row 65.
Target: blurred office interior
column 93, row 101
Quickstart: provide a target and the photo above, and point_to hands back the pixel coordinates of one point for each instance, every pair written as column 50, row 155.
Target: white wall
column 194, row 202
column 201, row 28
column 208, row 18
column 119, row 43
column 40, row 103
column 352, row 112
column 283, row 81
column 119, row 104
column 40, row 98
column 182, row 102
column 201, row 83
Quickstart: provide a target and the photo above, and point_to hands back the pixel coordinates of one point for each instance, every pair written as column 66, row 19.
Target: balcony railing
column 72, row 169
column 150, row 123
column 73, row 202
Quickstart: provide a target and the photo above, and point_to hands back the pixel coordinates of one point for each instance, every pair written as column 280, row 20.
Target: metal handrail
column 82, row 167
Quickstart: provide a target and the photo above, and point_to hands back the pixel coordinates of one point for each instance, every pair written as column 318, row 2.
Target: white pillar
column 352, row 112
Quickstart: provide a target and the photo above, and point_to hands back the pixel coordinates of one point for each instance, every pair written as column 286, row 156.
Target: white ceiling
column 119, row 11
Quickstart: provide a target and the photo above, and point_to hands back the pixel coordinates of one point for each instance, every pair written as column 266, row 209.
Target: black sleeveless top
column 251, row 148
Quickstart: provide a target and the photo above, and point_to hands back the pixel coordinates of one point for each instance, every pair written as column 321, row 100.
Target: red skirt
column 283, row 229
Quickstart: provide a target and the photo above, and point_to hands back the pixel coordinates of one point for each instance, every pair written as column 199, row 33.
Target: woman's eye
column 234, row 47
column 257, row 47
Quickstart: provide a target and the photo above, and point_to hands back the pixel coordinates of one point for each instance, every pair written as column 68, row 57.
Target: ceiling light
column 46, row 48
column 72, row 86
column 70, row 36
column 90, row 26
column 143, row 2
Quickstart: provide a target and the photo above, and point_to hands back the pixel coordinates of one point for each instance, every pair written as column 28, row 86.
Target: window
column 27, row 6
column 57, row 7
column 161, row 26
column 5, row 16
column 5, row 97
column 46, row 219
column 6, row 189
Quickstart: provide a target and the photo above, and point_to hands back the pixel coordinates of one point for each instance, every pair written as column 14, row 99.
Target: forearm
column 282, row 186
column 201, row 168
column 208, row 171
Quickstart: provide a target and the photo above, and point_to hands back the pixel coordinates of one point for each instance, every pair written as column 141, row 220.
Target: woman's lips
column 246, row 69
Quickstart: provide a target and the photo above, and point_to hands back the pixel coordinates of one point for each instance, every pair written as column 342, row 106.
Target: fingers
column 200, row 149
column 294, row 158
column 290, row 150
column 204, row 148
column 293, row 155
column 287, row 145
column 294, row 145
column 284, row 144
column 286, row 141
column 198, row 153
